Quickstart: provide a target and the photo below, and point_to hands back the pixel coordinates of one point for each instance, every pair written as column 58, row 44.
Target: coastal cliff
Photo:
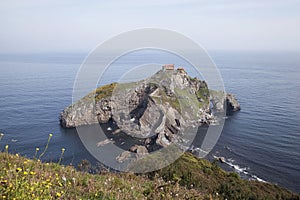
column 159, row 109
column 172, row 98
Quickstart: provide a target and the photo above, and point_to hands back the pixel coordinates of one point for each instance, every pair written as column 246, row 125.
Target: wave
column 240, row 170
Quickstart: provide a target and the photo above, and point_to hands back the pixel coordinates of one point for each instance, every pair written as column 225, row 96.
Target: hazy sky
column 75, row 25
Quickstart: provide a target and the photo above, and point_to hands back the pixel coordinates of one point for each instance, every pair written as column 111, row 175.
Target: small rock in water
column 116, row 131
column 222, row 159
column 104, row 142
column 123, row 156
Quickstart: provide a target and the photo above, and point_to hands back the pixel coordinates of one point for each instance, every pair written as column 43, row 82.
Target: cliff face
column 161, row 106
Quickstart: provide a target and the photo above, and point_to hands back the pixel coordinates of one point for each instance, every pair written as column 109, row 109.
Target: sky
column 37, row 26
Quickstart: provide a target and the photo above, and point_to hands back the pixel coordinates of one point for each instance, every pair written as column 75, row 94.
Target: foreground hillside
column 187, row 178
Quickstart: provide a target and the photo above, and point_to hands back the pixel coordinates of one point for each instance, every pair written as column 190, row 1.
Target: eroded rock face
column 232, row 103
column 220, row 101
column 160, row 107
column 83, row 113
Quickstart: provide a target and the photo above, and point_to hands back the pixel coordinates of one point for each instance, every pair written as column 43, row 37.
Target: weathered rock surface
column 220, row 101
column 232, row 103
column 160, row 107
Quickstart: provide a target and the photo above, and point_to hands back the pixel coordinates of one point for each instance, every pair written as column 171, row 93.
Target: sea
column 260, row 142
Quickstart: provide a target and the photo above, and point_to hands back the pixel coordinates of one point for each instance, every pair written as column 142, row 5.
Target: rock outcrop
column 224, row 101
column 232, row 103
column 161, row 107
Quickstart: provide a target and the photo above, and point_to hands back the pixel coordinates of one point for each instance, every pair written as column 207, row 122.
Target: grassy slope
column 209, row 178
column 187, row 178
column 22, row 178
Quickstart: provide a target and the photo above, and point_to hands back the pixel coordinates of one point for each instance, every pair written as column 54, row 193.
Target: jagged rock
column 116, row 131
column 232, row 103
column 161, row 107
column 123, row 156
column 104, row 142
column 220, row 100
column 140, row 151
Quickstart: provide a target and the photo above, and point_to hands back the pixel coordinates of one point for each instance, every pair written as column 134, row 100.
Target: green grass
column 187, row 178
column 209, row 178
column 22, row 178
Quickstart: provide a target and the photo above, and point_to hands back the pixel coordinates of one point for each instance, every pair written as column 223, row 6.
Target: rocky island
column 158, row 108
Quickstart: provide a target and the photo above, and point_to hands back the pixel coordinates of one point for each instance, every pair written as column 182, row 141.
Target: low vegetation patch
column 187, row 178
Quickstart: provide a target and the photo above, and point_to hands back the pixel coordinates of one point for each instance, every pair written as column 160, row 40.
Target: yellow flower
column 50, row 135
column 63, row 149
column 37, row 149
column 6, row 147
column 32, row 173
column 25, row 162
column 58, row 194
column 17, row 155
column 19, row 169
column 25, row 173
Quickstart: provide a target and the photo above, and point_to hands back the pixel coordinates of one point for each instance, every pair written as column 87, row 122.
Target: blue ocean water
column 262, row 140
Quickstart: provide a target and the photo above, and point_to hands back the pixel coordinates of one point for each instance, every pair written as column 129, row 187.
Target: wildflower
column 25, row 173
column 17, row 155
column 6, row 147
column 58, row 194
column 64, row 178
column 37, row 149
column 25, row 162
column 60, row 184
column 61, row 155
column 32, row 173
column 49, row 138
column 19, row 169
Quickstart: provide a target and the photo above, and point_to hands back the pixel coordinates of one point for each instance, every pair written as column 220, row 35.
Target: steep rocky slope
column 162, row 107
